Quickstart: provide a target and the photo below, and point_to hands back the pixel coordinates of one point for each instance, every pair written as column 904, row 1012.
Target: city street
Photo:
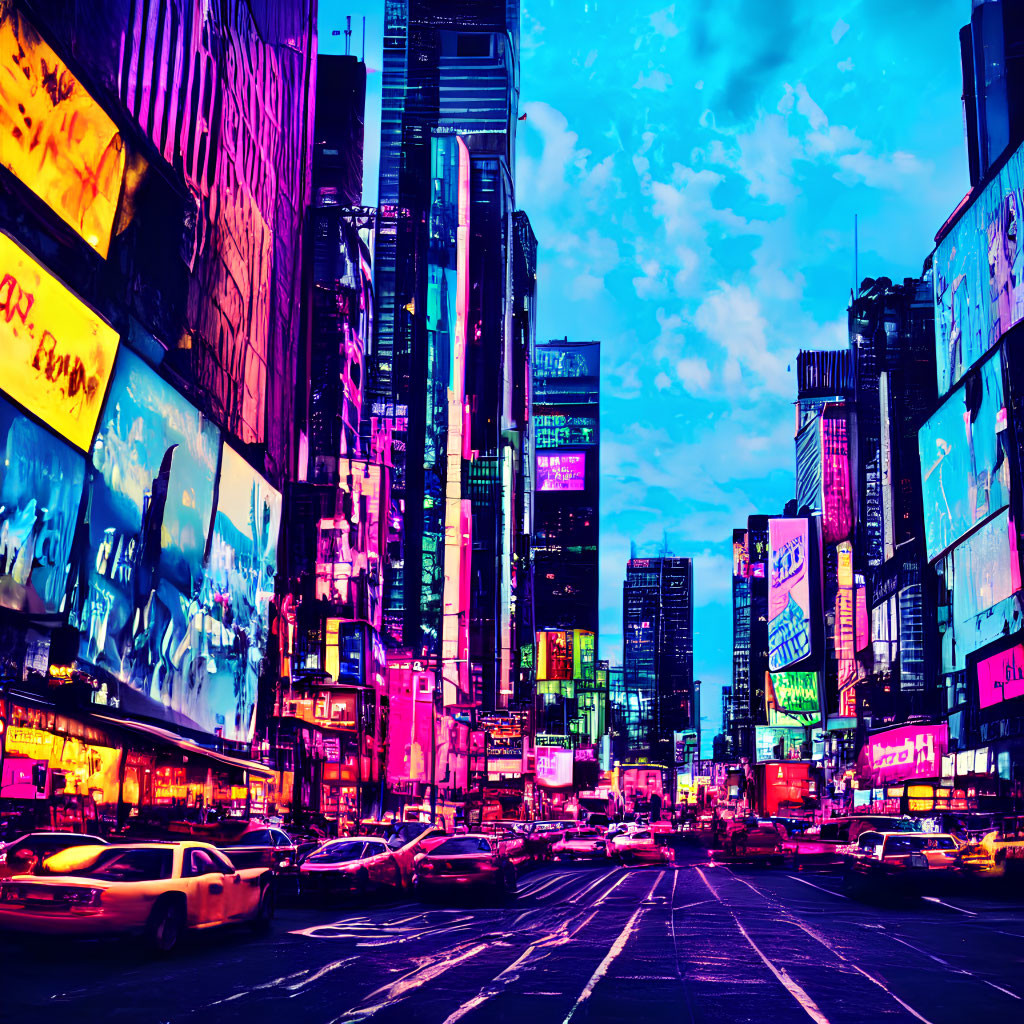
column 694, row 941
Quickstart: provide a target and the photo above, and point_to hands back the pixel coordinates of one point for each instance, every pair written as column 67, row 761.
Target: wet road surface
column 687, row 942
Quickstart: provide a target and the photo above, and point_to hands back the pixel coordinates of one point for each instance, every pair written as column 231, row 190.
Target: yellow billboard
column 58, row 353
column 54, row 136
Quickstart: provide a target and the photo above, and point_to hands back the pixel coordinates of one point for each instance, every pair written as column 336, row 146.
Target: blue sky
column 692, row 172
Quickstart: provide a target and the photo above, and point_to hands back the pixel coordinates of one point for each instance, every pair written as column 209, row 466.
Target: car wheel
column 264, row 912
column 508, row 883
column 166, row 924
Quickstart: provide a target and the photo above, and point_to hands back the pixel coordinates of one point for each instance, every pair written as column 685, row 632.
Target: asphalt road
column 691, row 942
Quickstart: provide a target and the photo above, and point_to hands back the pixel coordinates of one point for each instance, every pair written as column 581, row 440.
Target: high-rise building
column 566, row 430
column 740, row 726
column 450, row 69
column 657, row 629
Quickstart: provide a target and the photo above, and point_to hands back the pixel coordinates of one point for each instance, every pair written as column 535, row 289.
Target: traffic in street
column 691, row 940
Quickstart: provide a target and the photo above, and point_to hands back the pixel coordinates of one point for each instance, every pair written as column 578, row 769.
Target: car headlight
column 84, row 897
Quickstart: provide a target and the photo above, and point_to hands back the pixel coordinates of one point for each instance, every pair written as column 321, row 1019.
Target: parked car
column 512, row 842
column 157, row 890
column 638, row 846
column 582, row 844
column 471, row 862
column 901, row 863
column 258, row 846
column 541, row 836
column 354, row 866
column 24, row 855
column 828, row 844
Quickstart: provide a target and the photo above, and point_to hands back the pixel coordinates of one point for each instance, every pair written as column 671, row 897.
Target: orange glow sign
column 55, row 137
column 58, row 353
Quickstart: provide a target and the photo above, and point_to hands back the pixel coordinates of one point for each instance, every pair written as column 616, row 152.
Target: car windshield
column 460, row 845
column 338, row 852
column 406, row 833
column 916, row 843
column 128, row 865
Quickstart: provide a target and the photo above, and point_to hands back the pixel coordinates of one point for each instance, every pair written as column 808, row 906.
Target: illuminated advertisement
column 58, row 354
column 808, row 467
column 41, row 482
column 555, row 655
column 986, row 569
column 964, row 475
column 553, row 767
column 796, row 692
column 233, row 619
column 837, row 509
column 740, row 555
column 767, row 740
column 863, row 624
column 1001, row 677
column 845, row 637
column 789, row 597
column 54, row 137
column 787, row 787
column 558, row 429
column 908, row 752
column 979, row 275
column 150, row 503
column 561, row 471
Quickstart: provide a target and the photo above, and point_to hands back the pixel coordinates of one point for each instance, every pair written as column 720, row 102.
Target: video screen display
column 979, row 275
column 1001, row 677
column 151, row 488
column 553, row 767
column 795, row 693
column 561, row 471
column 965, row 476
column 986, row 568
column 41, row 482
column 789, row 595
column 767, row 740
column 908, row 752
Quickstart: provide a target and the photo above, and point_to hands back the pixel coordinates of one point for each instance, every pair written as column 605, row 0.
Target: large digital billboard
column 836, row 503
column 1001, row 677
column 58, row 354
column 777, row 743
column 740, row 555
column 986, row 568
column 561, row 471
column 789, row 595
column 40, row 492
column 54, row 137
column 553, row 767
column 237, row 589
column 979, row 275
column 907, row 752
column 965, row 476
column 796, row 692
column 151, row 488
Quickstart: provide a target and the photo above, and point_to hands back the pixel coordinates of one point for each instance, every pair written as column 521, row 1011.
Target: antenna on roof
column 348, row 34
column 364, row 39
column 856, row 275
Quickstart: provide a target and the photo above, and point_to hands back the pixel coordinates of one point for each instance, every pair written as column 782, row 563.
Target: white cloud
column 839, row 29
column 662, row 23
column 657, row 80
column 663, row 381
column 889, row 172
column 845, row 65
column 694, row 375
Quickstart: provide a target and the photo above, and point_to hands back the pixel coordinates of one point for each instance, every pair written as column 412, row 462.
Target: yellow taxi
column 997, row 849
column 157, row 890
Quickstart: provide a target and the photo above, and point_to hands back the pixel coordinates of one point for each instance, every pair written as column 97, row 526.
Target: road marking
column 934, row 899
column 600, row 899
column 406, row 984
column 807, row 1004
column 538, row 889
column 657, row 882
column 1012, row 995
column 602, row 968
column 820, row 888
column 296, row 989
column 597, row 881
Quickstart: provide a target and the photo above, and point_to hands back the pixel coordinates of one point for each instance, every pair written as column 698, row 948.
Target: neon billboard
column 561, row 471
column 965, row 477
column 1001, row 677
column 553, row 767
column 796, row 692
column 979, row 283
column 837, row 513
column 58, row 353
column 789, row 595
column 54, row 137
column 908, row 752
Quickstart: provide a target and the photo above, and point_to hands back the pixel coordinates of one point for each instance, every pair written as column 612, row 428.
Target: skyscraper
column 657, row 629
column 450, row 69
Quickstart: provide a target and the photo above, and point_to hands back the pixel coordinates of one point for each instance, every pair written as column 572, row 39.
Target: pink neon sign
column 1001, row 677
column 910, row 752
column 564, row 471
column 554, row 767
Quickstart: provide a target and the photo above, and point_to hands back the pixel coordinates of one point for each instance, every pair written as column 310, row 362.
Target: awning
column 190, row 747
